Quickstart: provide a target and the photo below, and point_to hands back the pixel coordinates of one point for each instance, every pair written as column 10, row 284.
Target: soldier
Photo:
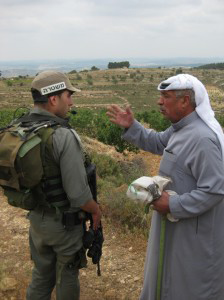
column 56, row 249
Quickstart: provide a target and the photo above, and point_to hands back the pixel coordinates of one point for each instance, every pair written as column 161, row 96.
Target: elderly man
column 192, row 152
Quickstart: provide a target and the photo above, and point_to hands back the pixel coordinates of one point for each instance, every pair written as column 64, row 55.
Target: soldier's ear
column 52, row 100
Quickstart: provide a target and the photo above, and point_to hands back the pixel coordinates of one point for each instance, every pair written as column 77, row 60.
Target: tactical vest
column 29, row 174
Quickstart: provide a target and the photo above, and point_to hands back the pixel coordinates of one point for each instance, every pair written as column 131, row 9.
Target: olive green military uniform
column 57, row 252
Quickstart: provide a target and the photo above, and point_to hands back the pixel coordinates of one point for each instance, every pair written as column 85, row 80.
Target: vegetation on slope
column 216, row 66
column 135, row 87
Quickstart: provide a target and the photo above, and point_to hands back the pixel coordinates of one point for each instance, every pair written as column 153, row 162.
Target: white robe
column 193, row 266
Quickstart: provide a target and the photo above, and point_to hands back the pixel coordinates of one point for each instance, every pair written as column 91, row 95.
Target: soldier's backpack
column 21, row 166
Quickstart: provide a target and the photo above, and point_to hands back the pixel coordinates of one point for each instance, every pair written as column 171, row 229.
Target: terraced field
column 122, row 86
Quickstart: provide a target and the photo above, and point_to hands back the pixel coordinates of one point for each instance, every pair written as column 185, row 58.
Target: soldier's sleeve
column 68, row 154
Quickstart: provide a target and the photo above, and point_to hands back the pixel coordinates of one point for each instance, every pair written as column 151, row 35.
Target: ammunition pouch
column 23, row 198
column 71, row 219
column 77, row 261
column 53, row 190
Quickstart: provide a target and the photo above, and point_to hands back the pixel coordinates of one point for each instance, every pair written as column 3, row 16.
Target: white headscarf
column 203, row 107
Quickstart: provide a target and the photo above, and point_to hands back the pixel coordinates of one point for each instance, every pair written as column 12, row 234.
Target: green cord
column 161, row 258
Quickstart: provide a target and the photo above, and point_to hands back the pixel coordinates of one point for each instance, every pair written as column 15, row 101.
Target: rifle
column 93, row 239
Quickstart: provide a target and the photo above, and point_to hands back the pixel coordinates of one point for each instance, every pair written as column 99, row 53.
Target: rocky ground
column 121, row 265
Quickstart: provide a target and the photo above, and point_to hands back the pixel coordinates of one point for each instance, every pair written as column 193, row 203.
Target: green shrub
column 72, row 72
column 110, row 134
column 132, row 75
column 117, row 207
column 123, row 78
column 89, row 81
column 124, row 171
column 220, row 119
column 83, row 122
column 106, row 166
column 133, row 170
column 98, row 126
column 78, row 77
column 179, row 71
column 114, row 80
column 154, row 119
column 113, row 179
column 6, row 116
column 94, row 68
column 122, row 64
column 9, row 82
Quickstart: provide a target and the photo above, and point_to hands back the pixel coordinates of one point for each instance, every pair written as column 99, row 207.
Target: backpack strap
column 53, row 194
column 35, row 118
column 51, row 183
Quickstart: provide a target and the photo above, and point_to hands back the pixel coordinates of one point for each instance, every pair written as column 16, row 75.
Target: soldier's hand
column 96, row 218
column 119, row 116
column 93, row 208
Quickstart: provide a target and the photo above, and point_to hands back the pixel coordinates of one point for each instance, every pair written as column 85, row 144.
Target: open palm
column 119, row 116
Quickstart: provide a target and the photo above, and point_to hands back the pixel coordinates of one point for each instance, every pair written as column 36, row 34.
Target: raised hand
column 119, row 116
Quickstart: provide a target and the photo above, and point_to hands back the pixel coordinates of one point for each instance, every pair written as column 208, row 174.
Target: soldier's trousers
column 54, row 253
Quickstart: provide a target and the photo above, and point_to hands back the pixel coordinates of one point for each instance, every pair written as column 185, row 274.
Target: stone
column 8, row 284
column 110, row 295
column 136, row 279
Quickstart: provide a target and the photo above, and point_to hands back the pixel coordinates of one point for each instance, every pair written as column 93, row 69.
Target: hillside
column 122, row 273
column 138, row 87
column 122, row 263
column 125, row 226
column 215, row 66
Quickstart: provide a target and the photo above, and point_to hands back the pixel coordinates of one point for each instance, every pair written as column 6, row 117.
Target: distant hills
column 31, row 68
column 219, row 66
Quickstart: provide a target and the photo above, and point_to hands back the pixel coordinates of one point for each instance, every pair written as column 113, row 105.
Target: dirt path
column 121, row 265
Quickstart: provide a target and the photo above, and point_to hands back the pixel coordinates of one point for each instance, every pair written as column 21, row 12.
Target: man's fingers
column 128, row 109
column 112, row 117
column 111, row 114
column 114, row 111
column 114, row 108
column 113, row 120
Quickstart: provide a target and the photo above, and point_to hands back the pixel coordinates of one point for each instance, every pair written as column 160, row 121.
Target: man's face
column 64, row 104
column 170, row 106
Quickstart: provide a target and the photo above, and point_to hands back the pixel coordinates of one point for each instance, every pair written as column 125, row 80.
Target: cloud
column 103, row 28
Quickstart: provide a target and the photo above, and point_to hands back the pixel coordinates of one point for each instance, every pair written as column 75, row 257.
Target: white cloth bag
column 137, row 190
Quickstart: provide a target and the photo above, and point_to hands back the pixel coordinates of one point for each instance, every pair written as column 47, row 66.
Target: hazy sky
column 43, row 29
